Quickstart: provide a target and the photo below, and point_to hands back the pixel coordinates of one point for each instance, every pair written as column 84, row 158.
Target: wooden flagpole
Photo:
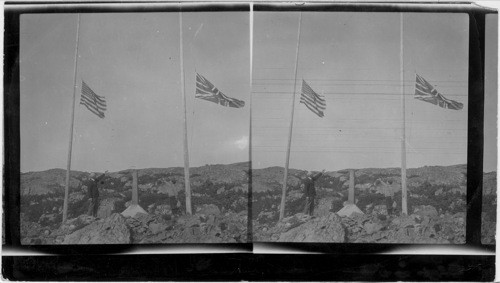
column 404, row 206
column 283, row 195
column 70, row 148
column 186, row 151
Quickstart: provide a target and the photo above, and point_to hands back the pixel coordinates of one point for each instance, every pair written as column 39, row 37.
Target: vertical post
column 135, row 193
column 404, row 200
column 70, row 147
column 351, row 186
column 250, row 189
column 186, row 151
column 283, row 195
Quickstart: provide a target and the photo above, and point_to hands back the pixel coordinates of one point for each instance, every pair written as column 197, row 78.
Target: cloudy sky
column 353, row 58
column 132, row 60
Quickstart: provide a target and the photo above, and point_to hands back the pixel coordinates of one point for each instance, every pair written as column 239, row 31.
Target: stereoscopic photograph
column 134, row 127
column 140, row 128
column 250, row 141
column 359, row 128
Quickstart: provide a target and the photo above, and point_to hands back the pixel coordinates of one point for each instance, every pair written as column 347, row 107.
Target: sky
column 133, row 60
column 354, row 60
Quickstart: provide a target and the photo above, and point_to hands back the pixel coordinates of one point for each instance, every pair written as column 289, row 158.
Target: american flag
column 95, row 103
column 426, row 92
column 206, row 90
column 315, row 102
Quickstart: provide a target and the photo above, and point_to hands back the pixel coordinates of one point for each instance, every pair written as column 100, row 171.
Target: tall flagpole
column 70, row 148
column 403, row 126
column 186, row 151
column 283, row 195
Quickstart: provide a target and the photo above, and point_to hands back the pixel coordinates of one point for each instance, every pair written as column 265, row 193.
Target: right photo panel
column 359, row 127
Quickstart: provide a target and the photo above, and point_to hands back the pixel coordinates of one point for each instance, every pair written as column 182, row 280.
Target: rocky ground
column 424, row 226
column 219, row 201
column 436, row 207
column 208, row 225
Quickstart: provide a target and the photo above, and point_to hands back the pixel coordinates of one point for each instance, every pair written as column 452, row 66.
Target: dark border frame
column 338, row 261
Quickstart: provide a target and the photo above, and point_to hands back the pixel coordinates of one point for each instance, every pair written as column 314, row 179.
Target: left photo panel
column 134, row 127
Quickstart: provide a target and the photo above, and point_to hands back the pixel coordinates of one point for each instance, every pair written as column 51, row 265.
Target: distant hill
column 49, row 181
column 53, row 181
column 272, row 178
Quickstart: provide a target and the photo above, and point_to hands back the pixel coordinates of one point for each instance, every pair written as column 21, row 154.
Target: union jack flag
column 206, row 90
column 426, row 92
column 95, row 103
column 315, row 102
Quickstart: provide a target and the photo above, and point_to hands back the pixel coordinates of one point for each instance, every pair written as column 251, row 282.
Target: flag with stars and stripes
column 426, row 92
column 315, row 102
column 206, row 90
column 95, row 103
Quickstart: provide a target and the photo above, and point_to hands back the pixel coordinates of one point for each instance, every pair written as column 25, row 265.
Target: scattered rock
column 112, row 230
column 371, row 228
column 380, row 209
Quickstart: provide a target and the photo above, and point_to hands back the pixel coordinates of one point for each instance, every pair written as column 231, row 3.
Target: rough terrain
column 436, row 207
column 219, row 201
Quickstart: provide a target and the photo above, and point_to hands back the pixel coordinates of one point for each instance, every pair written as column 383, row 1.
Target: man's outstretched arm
column 315, row 177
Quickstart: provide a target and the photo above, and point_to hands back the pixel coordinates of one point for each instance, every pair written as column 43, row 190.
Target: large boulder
column 326, row 229
column 112, row 230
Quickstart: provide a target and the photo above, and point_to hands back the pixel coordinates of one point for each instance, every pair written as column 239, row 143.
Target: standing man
column 93, row 192
column 310, row 191
column 389, row 198
column 171, row 191
column 174, row 202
